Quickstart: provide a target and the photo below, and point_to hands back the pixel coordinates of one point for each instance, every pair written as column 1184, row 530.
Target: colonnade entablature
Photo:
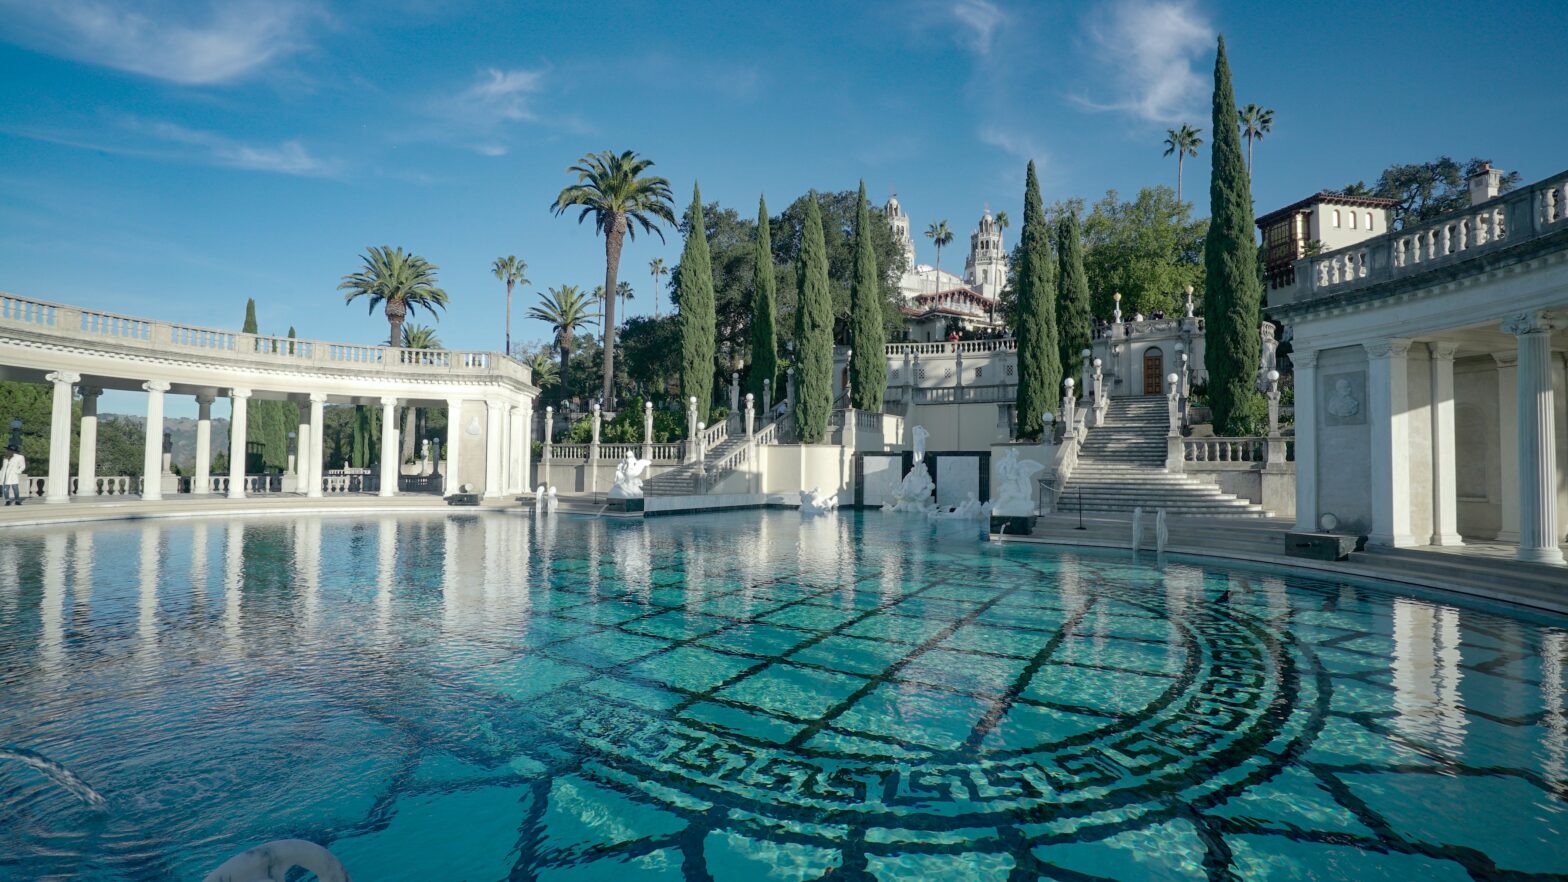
column 85, row 352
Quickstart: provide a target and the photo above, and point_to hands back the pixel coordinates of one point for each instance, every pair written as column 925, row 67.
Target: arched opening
column 1153, row 371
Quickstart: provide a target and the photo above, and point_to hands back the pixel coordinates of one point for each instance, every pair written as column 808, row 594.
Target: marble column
column 1306, row 362
column 152, row 453
column 517, row 450
column 525, row 446
column 493, row 448
column 1508, row 447
column 87, row 456
column 1538, row 536
column 302, row 451
column 58, row 486
column 237, row 428
column 317, row 438
column 1388, row 381
column 454, row 434
column 390, row 450
column 1445, row 481
column 201, row 484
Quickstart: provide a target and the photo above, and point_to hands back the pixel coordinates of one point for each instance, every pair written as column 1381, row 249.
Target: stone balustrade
column 1232, row 450
column 66, row 324
column 1501, row 222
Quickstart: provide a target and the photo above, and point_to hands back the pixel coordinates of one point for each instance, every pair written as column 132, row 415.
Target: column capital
column 205, row 398
column 155, row 386
column 65, row 377
column 1394, row 347
column 91, row 391
column 239, row 393
column 1506, row 359
column 1443, row 351
column 318, row 398
column 1304, row 358
column 389, row 401
column 1537, row 322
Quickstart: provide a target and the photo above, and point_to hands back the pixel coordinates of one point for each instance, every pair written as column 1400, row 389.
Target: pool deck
column 38, row 513
column 1484, row 570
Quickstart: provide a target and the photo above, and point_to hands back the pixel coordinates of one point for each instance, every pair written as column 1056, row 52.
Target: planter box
column 1322, row 546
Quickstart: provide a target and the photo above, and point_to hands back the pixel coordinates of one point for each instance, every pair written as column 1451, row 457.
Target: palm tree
column 620, row 197
column 656, row 266
column 415, row 337
column 939, row 235
column 400, row 281
column 565, row 309
column 1002, row 222
column 510, row 270
column 623, row 289
column 545, row 372
column 1255, row 123
column 1184, row 143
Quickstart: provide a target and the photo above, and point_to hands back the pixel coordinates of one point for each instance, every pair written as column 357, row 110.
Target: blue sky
column 171, row 159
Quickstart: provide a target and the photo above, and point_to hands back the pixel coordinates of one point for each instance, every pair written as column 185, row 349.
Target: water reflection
column 1427, row 673
column 233, row 585
column 52, row 608
column 147, row 593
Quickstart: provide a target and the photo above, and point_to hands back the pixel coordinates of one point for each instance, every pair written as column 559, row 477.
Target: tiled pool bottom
column 750, row 696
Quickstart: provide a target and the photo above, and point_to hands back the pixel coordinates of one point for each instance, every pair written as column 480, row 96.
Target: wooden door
column 1153, row 372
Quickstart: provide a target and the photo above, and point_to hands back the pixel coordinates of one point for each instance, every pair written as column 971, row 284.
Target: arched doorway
column 1153, row 371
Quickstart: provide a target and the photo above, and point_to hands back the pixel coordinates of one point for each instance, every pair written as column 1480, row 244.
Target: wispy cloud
column 1016, row 143
column 1147, row 50
column 978, row 21
column 203, row 44
column 482, row 115
column 288, row 157
column 172, row 142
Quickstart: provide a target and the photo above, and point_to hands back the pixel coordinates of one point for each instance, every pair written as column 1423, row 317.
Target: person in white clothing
column 11, row 470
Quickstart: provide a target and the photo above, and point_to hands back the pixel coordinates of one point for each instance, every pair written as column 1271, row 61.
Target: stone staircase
column 682, row 480
column 1121, row 466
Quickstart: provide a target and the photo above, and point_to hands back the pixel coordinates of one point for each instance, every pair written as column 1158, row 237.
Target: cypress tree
column 694, row 290
column 264, row 421
column 250, row 325
column 1072, row 302
column 1232, row 294
column 1039, row 357
column 813, row 332
column 867, row 335
column 764, row 311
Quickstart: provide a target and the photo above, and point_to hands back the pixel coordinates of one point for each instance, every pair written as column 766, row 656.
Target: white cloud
column 171, row 142
column 212, row 42
column 480, row 115
column 502, row 94
column 979, row 20
column 1147, row 49
column 288, row 157
column 1018, row 144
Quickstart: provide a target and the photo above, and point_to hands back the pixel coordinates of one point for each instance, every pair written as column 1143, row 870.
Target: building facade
column 938, row 303
column 1431, row 368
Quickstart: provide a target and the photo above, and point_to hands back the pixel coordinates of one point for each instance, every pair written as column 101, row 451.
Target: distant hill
column 183, row 432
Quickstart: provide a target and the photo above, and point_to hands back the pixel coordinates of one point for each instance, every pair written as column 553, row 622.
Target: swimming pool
column 752, row 696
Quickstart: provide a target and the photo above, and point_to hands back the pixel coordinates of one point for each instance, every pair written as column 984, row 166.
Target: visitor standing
column 11, row 476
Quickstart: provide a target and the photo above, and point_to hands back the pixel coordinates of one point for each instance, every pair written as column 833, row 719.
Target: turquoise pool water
column 748, row 697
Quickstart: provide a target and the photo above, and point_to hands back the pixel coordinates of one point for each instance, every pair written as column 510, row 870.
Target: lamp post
column 16, row 434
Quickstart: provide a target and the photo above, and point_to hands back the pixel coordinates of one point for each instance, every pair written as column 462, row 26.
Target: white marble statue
column 920, row 435
column 815, row 502
column 914, row 493
column 628, row 478
column 968, row 510
column 1269, row 358
column 1015, row 485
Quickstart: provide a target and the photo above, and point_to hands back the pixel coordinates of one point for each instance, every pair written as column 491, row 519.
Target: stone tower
column 900, row 221
column 986, row 268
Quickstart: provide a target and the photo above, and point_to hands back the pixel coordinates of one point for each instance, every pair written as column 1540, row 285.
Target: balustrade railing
column 172, row 338
column 712, row 435
column 999, row 344
column 1223, row 449
column 1498, row 222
